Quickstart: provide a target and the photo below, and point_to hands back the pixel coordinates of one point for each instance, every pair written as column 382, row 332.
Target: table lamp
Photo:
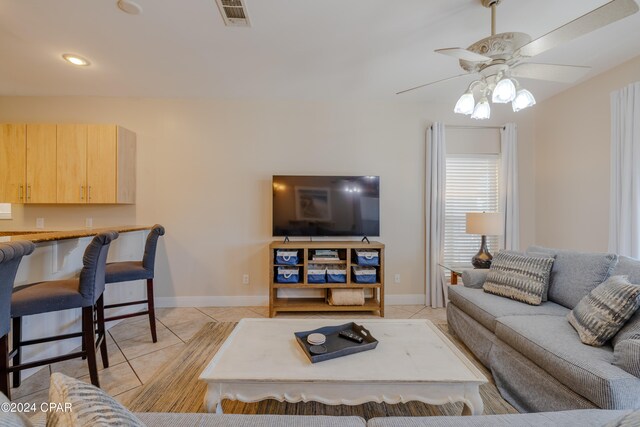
column 485, row 224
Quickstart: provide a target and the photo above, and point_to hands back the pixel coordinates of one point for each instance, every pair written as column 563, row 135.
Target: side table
column 456, row 270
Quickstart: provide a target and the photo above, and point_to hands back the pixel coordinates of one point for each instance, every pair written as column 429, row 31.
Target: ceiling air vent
column 234, row 13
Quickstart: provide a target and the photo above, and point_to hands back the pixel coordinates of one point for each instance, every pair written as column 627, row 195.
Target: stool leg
column 17, row 338
column 4, row 366
column 101, row 332
column 88, row 337
column 152, row 310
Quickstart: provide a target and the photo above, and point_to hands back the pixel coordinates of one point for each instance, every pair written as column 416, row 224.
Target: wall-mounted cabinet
column 67, row 164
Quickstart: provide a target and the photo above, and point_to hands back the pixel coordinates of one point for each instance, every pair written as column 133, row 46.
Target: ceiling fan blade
column 597, row 18
column 550, row 72
column 432, row 83
column 467, row 55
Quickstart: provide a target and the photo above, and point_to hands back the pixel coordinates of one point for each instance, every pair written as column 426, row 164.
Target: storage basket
column 337, row 274
column 346, row 296
column 286, row 257
column 316, row 274
column 364, row 274
column 367, row 257
column 288, row 275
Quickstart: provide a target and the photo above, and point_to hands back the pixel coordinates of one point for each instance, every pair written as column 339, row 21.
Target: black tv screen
column 326, row 205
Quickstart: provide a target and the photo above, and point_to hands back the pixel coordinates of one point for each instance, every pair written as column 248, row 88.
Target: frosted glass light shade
column 524, row 99
column 504, row 92
column 485, row 223
column 465, row 104
column 482, row 110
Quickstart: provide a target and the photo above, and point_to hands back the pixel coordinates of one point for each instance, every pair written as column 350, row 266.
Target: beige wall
column 572, row 140
column 204, row 171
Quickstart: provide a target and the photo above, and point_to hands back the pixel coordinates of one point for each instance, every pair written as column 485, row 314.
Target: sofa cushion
column 474, row 277
column 551, row 343
column 628, row 420
column 9, row 418
column 626, row 354
column 485, row 308
column 603, row 312
column 581, row 418
column 214, row 420
column 631, row 268
column 90, row 406
column 519, row 277
column 575, row 274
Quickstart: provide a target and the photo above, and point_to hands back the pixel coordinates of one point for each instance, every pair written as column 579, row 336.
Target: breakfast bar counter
column 50, row 236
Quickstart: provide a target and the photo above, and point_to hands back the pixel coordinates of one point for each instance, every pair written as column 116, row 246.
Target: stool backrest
column 149, row 258
column 95, row 261
column 11, row 254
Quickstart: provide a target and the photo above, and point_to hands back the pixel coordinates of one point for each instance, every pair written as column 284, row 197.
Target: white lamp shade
column 485, row 223
column 482, row 110
column 524, row 99
column 465, row 104
column 504, row 92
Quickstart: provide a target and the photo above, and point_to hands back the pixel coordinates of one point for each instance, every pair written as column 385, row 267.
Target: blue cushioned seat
column 127, row 271
column 45, row 297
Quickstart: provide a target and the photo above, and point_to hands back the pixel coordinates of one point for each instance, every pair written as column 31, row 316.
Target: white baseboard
column 262, row 300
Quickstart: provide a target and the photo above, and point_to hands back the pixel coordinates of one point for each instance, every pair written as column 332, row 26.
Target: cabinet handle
column 28, row 192
column 82, row 192
column 89, row 193
column 21, row 193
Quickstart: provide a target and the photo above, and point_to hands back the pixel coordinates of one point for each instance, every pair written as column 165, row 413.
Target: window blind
column 472, row 186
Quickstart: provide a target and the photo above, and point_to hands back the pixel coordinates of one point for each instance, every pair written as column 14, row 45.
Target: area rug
column 176, row 388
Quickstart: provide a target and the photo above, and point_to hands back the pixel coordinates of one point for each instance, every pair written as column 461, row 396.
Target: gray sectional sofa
column 536, row 357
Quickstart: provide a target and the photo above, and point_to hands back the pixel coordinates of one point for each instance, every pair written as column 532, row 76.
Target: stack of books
column 325, row 255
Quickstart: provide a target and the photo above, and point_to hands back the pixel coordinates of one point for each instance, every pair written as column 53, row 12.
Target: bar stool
column 84, row 292
column 11, row 254
column 128, row 271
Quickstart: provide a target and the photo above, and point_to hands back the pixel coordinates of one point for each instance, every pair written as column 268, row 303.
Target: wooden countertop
column 71, row 234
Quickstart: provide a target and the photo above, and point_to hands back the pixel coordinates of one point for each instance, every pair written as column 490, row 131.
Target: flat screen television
column 326, row 205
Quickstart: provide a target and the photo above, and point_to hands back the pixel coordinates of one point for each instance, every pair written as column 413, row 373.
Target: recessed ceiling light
column 130, row 7
column 75, row 59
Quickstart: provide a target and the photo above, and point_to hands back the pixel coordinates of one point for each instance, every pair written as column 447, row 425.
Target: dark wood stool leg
column 152, row 310
column 17, row 358
column 88, row 337
column 101, row 332
column 4, row 366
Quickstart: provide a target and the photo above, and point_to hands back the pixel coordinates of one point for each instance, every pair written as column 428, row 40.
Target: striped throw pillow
column 604, row 311
column 90, row 406
column 519, row 277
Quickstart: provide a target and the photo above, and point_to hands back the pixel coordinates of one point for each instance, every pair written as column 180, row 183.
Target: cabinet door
column 101, row 163
column 41, row 164
column 72, row 163
column 13, row 151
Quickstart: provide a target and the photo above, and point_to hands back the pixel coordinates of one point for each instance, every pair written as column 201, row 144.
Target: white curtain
column 624, row 218
column 509, row 199
column 435, row 210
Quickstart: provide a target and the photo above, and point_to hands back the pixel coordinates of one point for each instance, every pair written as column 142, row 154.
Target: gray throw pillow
column 519, row 277
column 631, row 419
column 604, row 311
column 626, row 355
column 90, row 406
column 11, row 419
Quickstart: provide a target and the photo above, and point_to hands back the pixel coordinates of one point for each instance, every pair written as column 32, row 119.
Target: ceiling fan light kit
column 500, row 57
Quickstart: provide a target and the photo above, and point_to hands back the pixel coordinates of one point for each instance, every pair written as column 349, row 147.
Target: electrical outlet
column 40, row 223
column 88, row 222
column 245, row 279
column 396, row 278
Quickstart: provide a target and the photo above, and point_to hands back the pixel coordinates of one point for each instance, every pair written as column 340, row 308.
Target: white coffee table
column 413, row 361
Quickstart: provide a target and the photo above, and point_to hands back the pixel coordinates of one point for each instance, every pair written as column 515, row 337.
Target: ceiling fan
column 499, row 58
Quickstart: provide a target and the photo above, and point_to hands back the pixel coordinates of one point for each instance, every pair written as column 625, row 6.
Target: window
column 472, row 186
column 5, row 211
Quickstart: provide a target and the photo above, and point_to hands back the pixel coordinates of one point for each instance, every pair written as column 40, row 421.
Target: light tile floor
column 134, row 358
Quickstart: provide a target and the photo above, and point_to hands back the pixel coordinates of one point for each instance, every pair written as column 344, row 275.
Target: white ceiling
column 301, row 49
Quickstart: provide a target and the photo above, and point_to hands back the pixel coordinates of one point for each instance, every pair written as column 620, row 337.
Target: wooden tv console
column 346, row 251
